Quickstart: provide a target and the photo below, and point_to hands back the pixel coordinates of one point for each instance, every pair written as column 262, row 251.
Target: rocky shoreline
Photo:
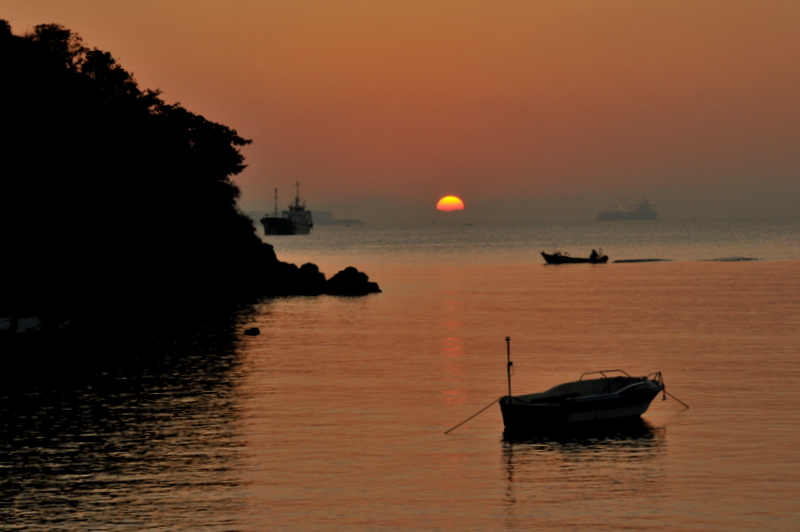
column 101, row 180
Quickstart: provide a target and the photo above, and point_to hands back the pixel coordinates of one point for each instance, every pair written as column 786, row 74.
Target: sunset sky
column 524, row 109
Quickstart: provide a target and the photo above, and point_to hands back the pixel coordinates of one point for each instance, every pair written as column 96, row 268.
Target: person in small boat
column 594, row 255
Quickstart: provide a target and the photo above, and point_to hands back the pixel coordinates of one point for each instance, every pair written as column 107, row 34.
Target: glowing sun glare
column 450, row 203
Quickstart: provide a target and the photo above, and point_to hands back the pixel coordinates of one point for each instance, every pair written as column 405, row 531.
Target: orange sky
column 537, row 109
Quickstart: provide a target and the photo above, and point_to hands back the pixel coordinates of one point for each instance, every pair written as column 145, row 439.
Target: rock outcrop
column 350, row 282
column 286, row 279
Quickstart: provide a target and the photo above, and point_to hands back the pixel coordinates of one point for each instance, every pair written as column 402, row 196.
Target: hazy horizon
column 526, row 111
column 383, row 211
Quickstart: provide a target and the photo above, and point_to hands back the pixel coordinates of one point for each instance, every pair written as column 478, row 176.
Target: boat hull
column 277, row 226
column 537, row 412
column 557, row 258
column 302, row 228
column 284, row 226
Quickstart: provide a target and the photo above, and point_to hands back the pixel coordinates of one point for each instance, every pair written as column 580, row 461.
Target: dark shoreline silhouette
column 101, row 180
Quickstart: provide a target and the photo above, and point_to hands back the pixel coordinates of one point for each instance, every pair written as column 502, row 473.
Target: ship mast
column 276, row 203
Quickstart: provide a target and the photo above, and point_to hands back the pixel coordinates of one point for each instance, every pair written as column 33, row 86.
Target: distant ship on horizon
column 295, row 221
column 640, row 211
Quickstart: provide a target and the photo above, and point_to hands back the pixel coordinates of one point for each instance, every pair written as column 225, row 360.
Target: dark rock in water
column 286, row 279
column 350, row 282
column 252, row 331
column 312, row 281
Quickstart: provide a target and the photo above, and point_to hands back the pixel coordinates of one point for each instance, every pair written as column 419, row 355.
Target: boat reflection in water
column 584, row 466
column 607, row 433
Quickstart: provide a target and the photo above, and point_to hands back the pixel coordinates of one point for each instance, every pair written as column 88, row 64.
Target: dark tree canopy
column 113, row 200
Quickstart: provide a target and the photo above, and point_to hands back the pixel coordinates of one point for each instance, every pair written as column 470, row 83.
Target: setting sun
column 450, row 203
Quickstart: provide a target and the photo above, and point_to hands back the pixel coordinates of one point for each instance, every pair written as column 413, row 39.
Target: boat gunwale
column 585, row 390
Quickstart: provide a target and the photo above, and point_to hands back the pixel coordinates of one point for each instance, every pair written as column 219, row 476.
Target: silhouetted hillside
column 80, row 136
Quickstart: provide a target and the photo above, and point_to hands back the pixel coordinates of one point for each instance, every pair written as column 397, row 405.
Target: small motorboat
column 610, row 401
column 564, row 258
column 614, row 395
column 609, row 395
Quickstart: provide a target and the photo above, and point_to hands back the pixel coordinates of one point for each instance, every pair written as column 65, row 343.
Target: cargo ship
column 640, row 211
column 295, row 221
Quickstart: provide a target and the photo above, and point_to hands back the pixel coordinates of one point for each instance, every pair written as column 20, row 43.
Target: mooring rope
column 681, row 402
column 473, row 415
column 666, row 393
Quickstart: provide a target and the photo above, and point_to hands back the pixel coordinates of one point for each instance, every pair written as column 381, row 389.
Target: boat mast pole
column 509, row 364
column 276, row 203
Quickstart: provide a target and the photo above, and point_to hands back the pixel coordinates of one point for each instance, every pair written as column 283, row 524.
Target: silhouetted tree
column 112, row 199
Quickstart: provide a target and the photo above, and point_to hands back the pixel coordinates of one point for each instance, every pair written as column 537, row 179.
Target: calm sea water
column 334, row 417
